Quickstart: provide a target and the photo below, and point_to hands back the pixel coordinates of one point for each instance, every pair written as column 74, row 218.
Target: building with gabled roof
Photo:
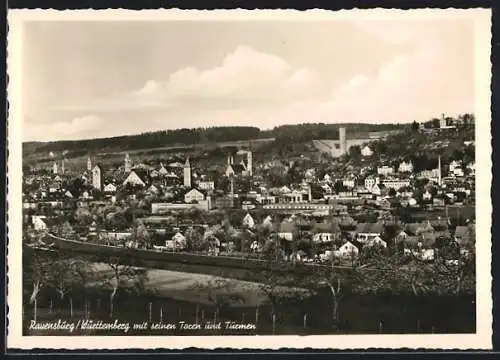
column 193, row 195
column 287, row 230
column 134, row 179
column 235, row 169
column 366, row 231
column 348, row 249
column 248, row 221
column 110, row 188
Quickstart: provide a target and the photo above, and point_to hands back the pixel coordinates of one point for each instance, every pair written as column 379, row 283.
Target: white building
column 38, row 223
column 432, row 174
column 323, row 237
column 248, row 221
column 376, row 190
column 349, row 183
column 110, row 188
column 366, row 151
column 396, row 184
column 206, row 184
column 405, row 167
column 370, row 182
column 377, row 241
column 193, row 195
column 348, row 250
column 385, row 170
column 267, row 222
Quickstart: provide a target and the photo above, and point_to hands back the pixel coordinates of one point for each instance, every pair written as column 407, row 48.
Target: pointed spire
column 187, row 164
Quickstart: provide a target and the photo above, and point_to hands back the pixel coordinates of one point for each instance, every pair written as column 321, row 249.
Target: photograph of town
column 263, row 177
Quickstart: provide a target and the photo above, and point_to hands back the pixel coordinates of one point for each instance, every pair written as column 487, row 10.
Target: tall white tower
column 55, row 168
column 343, row 140
column 187, row 174
column 89, row 164
column 97, row 178
column 249, row 163
column 439, row 170
column 128, row 163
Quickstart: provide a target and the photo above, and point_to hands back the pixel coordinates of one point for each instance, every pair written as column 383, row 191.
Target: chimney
column 309, row 192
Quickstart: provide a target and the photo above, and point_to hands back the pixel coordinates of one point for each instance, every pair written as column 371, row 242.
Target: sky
column 93, row 79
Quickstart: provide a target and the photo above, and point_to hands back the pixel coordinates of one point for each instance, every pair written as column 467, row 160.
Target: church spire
column 187, row 174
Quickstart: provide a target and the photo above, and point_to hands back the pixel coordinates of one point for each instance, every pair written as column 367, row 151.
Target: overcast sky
column 99, row 79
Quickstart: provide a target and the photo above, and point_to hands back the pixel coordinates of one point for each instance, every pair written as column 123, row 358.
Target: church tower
column 128, row 164
column 439, row 171
column 89, row 164
column 187, row 174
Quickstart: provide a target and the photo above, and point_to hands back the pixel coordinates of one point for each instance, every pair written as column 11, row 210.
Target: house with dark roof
column 327, row 231
column 134, row 179
column 367, row 231
column 287, row 230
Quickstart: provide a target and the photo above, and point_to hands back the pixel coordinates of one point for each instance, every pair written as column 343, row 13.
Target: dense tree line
column 150, row 139
column 307, row 132
column 209, row 135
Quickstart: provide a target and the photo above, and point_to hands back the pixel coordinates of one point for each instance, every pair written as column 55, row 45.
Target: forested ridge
column 207, row 135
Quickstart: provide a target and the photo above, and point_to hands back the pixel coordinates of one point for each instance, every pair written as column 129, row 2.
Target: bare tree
column 276, row 285
column 38, row 267
column 122, row 275
column 66, row 274
column 325, row 275
column 221, row 292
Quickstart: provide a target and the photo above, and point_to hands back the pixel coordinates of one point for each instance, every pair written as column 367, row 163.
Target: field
column 194, row 287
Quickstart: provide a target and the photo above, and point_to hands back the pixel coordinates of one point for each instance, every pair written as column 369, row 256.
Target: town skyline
column 415, row 70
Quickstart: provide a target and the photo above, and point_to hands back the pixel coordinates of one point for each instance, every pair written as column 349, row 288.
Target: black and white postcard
column 257, row 179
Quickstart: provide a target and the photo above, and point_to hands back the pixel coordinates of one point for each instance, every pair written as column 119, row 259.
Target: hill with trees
column 205, row 136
